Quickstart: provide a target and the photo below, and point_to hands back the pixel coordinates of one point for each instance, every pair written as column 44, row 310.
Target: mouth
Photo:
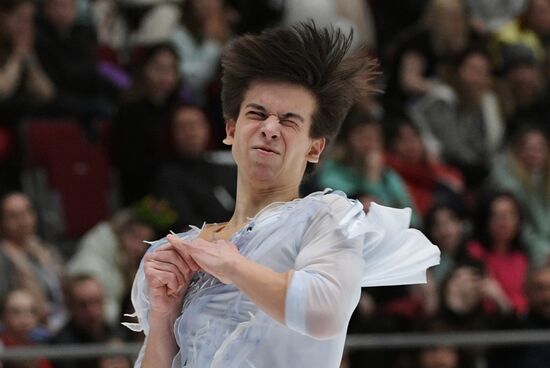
column 265, row 150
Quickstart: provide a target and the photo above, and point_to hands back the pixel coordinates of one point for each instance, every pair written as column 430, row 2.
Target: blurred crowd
column 459, row 133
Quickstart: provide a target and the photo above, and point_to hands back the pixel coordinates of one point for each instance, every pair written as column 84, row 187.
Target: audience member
column 111, row 252
column 463, row 295
column 461, row 120
column 66, row 49
column 19, row 314
column 441, row 355
column 487, row 16
column 206, row 25
column 524, row 93
column 499, row 247
column 197, row 188
column 86, row 324
column 23, row 83
column 538, row 295
column 25, row 261
column 424, row 51
column 361, row 169
column 427, row 180
column 525, row 171
column 148, row 22
column 531, row 28
column 140, row 125
column 446, row 227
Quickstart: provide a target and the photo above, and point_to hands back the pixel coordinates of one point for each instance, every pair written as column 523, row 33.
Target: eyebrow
column 286, row 115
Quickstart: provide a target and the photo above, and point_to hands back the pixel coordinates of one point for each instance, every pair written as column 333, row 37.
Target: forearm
column 39, row 83
column 265, row 287
column 9, row 75
column 160, row 345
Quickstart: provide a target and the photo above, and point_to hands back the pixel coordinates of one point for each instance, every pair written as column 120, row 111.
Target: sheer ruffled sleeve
column 393, row 254
column 326, row 283
column 341, row 251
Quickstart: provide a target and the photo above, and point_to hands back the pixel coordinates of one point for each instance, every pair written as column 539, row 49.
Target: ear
column 317, row 147
column 229, row 132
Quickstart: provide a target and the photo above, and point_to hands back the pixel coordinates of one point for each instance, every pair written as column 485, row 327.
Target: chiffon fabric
column 334, row 248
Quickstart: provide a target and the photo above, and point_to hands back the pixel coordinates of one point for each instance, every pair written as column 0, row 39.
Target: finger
column 181, row 246
column 152, row 264
column 167, row 279
column 173, row 256
column 184, row 276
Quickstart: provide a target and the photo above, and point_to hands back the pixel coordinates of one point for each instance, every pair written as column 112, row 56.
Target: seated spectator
column 525, row 171
column 361, row 169
column 85, row 302
column 424, row 52
column 463, row 295
column 499, row 247
column 140, row 125
column 205, row 27
column 538, row 295
column 197, row 188
column 25, row 261
column 461, row 121
column 441, row 356
column 446, row 227
column 24, row 86
column 147, row 22
column 531, row 28
column 427, row 180
column 19, row 314
column 23, row 83
column 67, row 49
column 487, row 16
column 111, row 252
column 524, row 93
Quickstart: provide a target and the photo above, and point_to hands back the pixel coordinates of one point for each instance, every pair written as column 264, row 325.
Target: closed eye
column 256, row 115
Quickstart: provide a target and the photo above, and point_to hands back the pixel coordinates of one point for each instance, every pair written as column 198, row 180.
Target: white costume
column 334, row 248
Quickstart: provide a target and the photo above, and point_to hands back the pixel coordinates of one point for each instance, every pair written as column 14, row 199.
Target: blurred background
column 111, row 129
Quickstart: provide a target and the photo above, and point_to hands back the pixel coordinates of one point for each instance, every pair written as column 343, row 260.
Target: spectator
column 85, row 302
column 525, row 171
column 198, row 189
column 148, row 22
column 361, row 168
column 461, row 121
column 499, row 247
column 25, row 261
column 463, row 295
column 424, row 51
column 532, row 29
column 524, row 93
column 427, row 180
column 23, row 83
column 538, row 295
column 20, row 316
column 141, row 122
column 487, row 16
column 111, row 252
column 447, row 228
column 206, row 25
column 66, row 49
column 441, row 356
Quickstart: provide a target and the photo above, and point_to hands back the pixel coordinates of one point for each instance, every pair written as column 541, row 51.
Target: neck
column 501, row 246
column 251, row 199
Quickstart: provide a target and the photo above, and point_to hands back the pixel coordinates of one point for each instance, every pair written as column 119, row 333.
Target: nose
column 270, row 128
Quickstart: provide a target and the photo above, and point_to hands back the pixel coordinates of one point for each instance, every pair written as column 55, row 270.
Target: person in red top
column 19, row 315
column 426, row 179
column 499, row 247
